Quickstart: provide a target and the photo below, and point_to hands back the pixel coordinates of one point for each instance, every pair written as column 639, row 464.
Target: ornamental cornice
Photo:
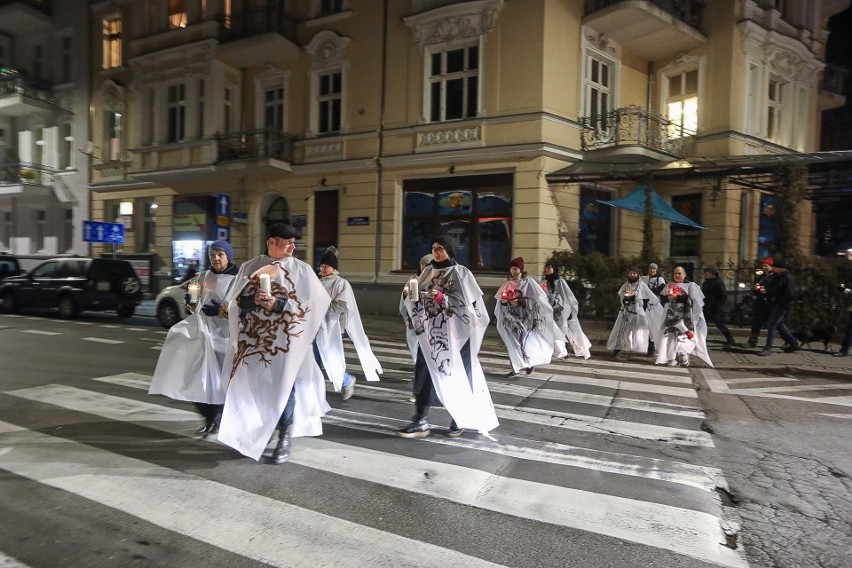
column 327, row 49
column 602, row 43
column 463, row 20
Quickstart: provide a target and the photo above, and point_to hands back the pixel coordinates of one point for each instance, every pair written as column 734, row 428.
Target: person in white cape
column 342, row 316
column 684, row 330
column 565, row 314
column 632, row 329
column 449, row 318
column 410, row 335
column 275, row 308
column 190, row 363
column 524, row 320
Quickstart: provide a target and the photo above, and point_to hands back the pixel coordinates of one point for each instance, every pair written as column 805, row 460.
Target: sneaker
column 792, row 348
column 511, row 374
column 765, row 353
column 529, row 370
column 347, row 392
column 752, row 342
column 729, row 345
column 840, row 354
column 419, row 429
column 454, row 431
column 412, row 398
column 672, row 364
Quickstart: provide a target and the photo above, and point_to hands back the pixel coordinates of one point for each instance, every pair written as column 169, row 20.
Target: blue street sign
column 223, row 233
column 223, row 204
column 99, row 232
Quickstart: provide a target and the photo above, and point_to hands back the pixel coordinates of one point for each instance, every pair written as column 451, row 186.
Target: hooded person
column 524, row 320
column 342, row 316
column 191, row 360
column 449, row 319
column 632, row 329
column 715, row 295
column 565, row 314
column 684, row 329
column 275, row 306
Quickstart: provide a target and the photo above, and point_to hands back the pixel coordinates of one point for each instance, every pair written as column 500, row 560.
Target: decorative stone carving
column 113, row 95
column 462, row 20
column 327, row 49
column 449, row 136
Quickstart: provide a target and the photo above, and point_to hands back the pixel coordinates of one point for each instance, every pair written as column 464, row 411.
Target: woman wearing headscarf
column 565, row 311
column 190, row 363
column 684, row 330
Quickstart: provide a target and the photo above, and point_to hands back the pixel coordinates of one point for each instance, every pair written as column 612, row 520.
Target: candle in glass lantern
column 414, row 290
column 193, row 289
column 265, row 283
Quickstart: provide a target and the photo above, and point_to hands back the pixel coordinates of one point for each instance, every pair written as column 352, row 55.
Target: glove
column 211, row 309
column 690, row 335
column 439, row 297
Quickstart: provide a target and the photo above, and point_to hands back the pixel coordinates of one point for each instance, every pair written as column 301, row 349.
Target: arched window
column 278, row 212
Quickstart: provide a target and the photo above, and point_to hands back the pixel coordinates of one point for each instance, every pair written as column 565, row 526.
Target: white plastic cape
column 632, row 329
column 671, row 343
column 565, row 318
column 343, row 316
column 270, row 354
column 442, row 330
column 526, row 329
column 190, row 363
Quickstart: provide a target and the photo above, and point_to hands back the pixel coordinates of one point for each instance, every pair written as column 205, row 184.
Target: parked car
column 170, row 305
column 9, row 265
column 74, row 284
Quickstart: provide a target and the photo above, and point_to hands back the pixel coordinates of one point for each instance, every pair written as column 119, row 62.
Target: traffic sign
column 223, row 204
column 223, row 234
column 100, row 232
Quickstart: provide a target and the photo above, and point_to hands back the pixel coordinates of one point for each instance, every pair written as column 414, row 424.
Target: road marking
column 102, row 340
column 9, row 562
column 170, row 499
column 794, row 388
column 40, row 332
column 714, row 381
column 623, row 385
column 750, row 380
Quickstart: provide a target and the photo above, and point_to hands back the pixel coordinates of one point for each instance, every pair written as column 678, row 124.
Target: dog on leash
column 823, row 333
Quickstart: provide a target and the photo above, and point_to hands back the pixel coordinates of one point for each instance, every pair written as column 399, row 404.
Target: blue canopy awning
column 636, row 202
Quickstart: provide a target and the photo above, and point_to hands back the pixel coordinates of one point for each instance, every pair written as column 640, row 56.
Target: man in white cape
column 449, row 319
column 524, row 320
column 342, row 316
column 683, row 331
column 275, row 308
column 190, row 363
column 632, row 329
column 566, row 308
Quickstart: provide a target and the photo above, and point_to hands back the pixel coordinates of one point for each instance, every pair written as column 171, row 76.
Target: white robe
column 526, row 329
column 442, row 330
column 670, row 343
column 565, row 319
column 190, row 363
column 343, row 316
column 632, row 327
column 270, row 354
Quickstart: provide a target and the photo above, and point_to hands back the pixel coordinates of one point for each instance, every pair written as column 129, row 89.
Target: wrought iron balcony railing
column 635, row 126
column 25, row 173
column 40, row 5
column 253, row 144
column 256, row 22
column 13, row 82
column 687, row 11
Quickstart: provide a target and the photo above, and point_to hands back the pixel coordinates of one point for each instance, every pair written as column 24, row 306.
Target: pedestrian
column 191, row 360
column 565, row 314
column 342, row 316
column 449, row 319
column 275, row 308
column 524, row 320
column 656, row 283
column 684, row 329
column 410, row 335
column 781, row 292
column 191, row 272
column 847, row 335
column 715, row 295
column 760, row 305
column 632, row 331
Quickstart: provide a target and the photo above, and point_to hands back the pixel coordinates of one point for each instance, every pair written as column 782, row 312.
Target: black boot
column 217, row 419
column 281, row 453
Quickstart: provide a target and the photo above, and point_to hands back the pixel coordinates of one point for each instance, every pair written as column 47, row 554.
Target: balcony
column 23, row 17
column 652, row 29
column 832, row 87
column 20, row 96
column 25, row 177
column 268, row 149
column 633, row 134
column 257, row 38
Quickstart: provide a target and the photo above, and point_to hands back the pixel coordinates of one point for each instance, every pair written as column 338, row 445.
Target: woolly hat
column 654, row 266
column 711, row 269
column 768, row 261
column 633, row 269
column 225, row 246
column 330, row 257
column 447, row 243
column 517, row 262
column 281, row 231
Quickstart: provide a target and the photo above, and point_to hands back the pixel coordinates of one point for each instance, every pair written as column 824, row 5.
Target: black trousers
column 424, row 390
column 717, row 318
column 211, row 412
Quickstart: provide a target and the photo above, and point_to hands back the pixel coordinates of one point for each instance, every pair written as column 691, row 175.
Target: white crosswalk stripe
column 668, row 505
column 783, row 388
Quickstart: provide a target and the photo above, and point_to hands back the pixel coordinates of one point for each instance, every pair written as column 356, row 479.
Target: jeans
column 775, row 323
column 348, row 379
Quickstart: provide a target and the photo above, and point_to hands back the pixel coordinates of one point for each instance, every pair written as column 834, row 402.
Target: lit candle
column 193, row 289
column 265, row 284
column 414, row 290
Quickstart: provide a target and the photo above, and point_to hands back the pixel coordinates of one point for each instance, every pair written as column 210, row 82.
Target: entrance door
column 326, row 207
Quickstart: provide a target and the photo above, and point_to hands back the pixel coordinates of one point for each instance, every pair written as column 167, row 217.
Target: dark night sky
column 839, row 48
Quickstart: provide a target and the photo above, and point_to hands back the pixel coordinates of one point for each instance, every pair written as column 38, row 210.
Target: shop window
column 595, row 223
column 686, row 241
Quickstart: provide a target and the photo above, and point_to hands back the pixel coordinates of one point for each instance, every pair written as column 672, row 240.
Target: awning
column 636, row 202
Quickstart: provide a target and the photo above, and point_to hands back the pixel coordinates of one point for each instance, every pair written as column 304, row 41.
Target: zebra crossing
column 558, row 480
column 809, row 389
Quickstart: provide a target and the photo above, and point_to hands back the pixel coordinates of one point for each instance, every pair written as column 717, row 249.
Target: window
column 753, row 107
column 598, row 88
column 113, row 122
column 177, row 14
column 682, row 103
column 329, row 102
column 686, row 241
column 475, row 211
column 65, row 60
column 149, row 210
column 38, row 62
column 328, row 7
column 454, row 84
column 66, row 143
column 200, row 118
column 227, row 18
column 229, row 110
column 176, row 105
column 595, row 223
column 40, row 228
column 273, row 109
column 776, row 111
column 112, row 43
column 68, row 230
column 6, row 230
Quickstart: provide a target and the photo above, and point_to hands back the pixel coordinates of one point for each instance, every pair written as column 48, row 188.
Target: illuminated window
column 112, row 43
column 682, row 103
column 776, row 109
column 177, row 14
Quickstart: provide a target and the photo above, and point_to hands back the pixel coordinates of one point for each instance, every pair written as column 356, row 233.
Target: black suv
column 9, row 266
column 74, row 284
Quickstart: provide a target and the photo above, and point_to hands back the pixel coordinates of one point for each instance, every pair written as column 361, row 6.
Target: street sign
column 100, row 232
column 223, row 204
column 223, row 233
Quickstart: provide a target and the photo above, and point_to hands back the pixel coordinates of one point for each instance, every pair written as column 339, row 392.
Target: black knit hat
column 330, row 257
column 447, row 243
column 281, row 231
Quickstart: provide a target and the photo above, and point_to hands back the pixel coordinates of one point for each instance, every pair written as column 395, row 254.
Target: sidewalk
column 811, row 360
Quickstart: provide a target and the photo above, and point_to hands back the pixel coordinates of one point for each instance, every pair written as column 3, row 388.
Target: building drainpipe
column 380, row 143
